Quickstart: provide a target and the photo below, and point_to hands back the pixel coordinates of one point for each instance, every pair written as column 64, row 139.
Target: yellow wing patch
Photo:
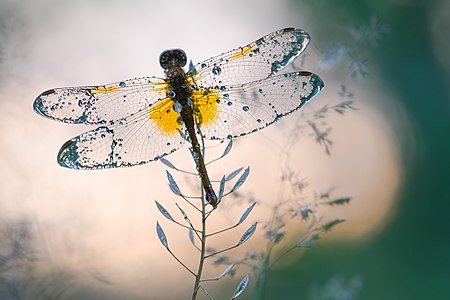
column 105, row 89
column 165, row 117
column 243, row 51
column 206, row 111
column 206, row 108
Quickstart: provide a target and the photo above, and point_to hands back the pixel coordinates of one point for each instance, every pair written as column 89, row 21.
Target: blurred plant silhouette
column 24, row 267
column 292, row 204
column 349, row 52
column 16, row 258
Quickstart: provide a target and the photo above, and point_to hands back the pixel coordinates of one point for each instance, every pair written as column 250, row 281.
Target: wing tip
column 296, row 30
column 318, row 82
column 315, row 80
column 317, row 86
column 38, row 105
column 68, row 156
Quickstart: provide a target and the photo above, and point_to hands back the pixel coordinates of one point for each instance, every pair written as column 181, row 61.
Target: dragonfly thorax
column 179, row 88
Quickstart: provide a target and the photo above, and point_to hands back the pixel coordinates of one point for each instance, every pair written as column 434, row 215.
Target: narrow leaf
column 278, row 237
column 233, row 174
column 173, row 185
column 161, row 235
column 246, row 213
column 308, row 242
column 185, row 216
column 247, row 234
column 163, row 211
column 241, row 287
column 221, row 188
column 227, row 271
column 331, row 224
column 191, row 237
column 167, row 163
column 338, row 201
column 241, row 179
column 228, row 148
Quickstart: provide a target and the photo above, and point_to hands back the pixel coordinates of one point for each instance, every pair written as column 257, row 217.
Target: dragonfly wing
column 103, row 104
column 246, row 108
column 258, row 60
column 141, row 138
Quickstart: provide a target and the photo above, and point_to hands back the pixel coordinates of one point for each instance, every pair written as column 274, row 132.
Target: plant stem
column 202, row 249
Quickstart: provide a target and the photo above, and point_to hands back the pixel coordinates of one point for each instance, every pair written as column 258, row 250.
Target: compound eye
column 172, row 57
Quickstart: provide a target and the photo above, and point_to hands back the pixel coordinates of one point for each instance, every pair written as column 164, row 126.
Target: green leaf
column 246, row 213
column 167, row 163
column 241, row 179
column 162, row 236
column 247, row 234
column 185, row 216
column 331, row 224
column 227, row 271
column 233, row 174
column 228, row 148
column 163, row 211
column 191, row 236
column 338, row 201
column 241, row 287
column 173, row 185
column 221, row 189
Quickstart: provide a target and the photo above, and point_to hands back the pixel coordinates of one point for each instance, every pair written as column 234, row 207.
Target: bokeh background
column 90, row 235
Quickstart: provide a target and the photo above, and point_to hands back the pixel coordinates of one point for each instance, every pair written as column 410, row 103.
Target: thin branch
column 281, row 256
column 202, row 238
column 187, row 227
column 210, row 279
column 206, row 293
column 292, row 247
column 209, row 213
column 214, row 160
column 223, row 230
column 191, row 197
column 190, row 224
column 223, row 250
column 180, row 262
column 190, row 203
column 186, row 172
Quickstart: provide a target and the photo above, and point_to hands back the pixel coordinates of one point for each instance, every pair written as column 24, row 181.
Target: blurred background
column 91, row 235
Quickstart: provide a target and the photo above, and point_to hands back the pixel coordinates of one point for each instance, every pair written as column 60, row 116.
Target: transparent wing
column 258, row 60
column 141, row 138
column 103, row 104
column 246, row 108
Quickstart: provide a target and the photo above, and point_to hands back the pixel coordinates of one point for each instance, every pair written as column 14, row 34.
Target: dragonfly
column 143, row 119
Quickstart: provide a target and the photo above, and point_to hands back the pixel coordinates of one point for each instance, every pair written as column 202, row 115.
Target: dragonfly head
column 172, row 57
